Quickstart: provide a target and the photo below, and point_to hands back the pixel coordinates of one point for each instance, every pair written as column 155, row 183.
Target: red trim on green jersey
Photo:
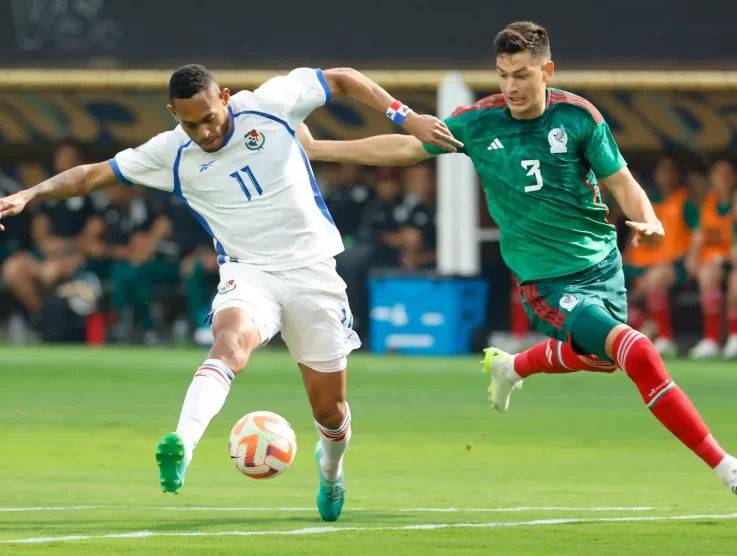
column 597, row 198
column 570, row 98
column 542, row 309
column 555, row 314
column 492, row 101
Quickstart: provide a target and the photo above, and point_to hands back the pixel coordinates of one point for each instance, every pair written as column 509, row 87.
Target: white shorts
column 308, row 305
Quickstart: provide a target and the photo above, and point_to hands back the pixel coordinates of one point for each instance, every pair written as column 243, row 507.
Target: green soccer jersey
column 539, row 177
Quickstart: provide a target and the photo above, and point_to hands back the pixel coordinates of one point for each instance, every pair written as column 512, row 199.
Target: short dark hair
column 523, row 36
column 189, row 80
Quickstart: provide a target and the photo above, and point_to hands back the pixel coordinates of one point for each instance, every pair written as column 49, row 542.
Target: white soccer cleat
column 730, row 348
column 666, row 347
column 499, row 364
column 705, row 349
column 727, row 472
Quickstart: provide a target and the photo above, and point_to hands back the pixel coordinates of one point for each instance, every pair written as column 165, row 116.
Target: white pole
column 458, row 241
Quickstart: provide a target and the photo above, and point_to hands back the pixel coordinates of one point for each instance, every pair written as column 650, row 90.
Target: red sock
column 639, row 359
column 711, row 308
column 554, row 357
column 519, row 321
column 658, row 304
column 732, row 321
column 636, row 316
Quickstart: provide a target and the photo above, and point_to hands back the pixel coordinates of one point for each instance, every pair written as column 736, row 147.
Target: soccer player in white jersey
column 236, row 162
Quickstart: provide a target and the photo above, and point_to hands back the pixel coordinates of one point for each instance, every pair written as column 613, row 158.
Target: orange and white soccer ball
column 262, row 445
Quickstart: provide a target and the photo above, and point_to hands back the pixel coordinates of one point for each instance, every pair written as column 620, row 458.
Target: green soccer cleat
column 496, row 363
column 331, row 495
column 170, row 457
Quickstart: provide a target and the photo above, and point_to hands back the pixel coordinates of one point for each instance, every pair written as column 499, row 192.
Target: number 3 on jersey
column 533, row 169
column 237, row 177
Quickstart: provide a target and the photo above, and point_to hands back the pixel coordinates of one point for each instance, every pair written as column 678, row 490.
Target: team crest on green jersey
column 569, row 302
column 254, row 140
column 558, row 139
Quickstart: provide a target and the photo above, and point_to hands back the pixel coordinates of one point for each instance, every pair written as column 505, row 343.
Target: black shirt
column 379, row 218
column 17, row 234
column 346, row 204
column 68, row 217
column 124, row 221
column 187, row 233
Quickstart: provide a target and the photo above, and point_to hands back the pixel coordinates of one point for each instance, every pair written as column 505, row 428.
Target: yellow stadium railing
column 414, row 79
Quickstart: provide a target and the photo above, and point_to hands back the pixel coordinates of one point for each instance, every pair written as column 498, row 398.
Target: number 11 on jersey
column 237, row 176
column 533, row 169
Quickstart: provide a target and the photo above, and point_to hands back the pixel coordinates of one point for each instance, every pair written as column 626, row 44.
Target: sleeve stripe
column 569, row 98
column 325, row 86
column 118, row 174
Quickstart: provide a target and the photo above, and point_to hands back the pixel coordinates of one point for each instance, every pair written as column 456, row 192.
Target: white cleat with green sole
column 498, row 363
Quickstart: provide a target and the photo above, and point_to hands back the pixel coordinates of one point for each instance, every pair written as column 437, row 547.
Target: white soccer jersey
column 257, row 195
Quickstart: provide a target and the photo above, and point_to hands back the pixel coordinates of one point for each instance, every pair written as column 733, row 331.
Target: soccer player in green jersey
column 540, row 153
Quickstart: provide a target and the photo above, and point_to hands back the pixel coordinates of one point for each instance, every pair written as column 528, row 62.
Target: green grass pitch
column 578, row 465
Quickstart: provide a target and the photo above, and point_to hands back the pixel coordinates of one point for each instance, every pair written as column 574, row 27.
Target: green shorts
column 632, row 273
column 554, row 304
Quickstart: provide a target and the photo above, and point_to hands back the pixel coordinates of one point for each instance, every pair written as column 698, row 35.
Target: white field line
column 251, row 509
column 322, row 530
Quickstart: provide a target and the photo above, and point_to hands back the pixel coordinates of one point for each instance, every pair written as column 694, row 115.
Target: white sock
column 727, row 470
column 511, row 373
column 205, row 398
column 334, row 444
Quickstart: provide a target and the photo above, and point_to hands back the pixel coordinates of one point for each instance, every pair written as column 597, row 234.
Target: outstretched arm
column 636, row 206
column 80, row 180
column 427, row 129
column 381, row 150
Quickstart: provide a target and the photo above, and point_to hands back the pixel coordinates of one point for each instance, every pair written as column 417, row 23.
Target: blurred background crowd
column 132, row 265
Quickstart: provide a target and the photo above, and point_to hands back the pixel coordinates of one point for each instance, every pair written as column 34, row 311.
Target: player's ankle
column 512, row 374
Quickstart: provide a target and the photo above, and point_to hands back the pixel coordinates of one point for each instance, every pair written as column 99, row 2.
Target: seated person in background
column 192, row 247
column 708, row 260
column 62, row 231
column 652, row 270
column 730, row 349
column 418, row 240
column 15, row 245
column 138, row 256
column 376, row 244
column 346, row 196
column 379, row 225
column 200, row 273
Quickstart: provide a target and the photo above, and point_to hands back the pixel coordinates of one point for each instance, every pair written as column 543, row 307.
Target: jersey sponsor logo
column 558, row 139
column 495, row 144
column 568, row 302
column 255, row 141
column 226, row 287
column 206, row 165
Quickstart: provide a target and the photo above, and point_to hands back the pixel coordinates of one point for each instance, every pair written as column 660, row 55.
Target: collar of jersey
column 533, row 120
column 232, row 127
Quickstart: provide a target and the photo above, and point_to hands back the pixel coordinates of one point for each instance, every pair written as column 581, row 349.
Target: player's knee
column 710, row 276
column 662, row 276
column 330, row 412
column 233, row 347
column 16, row 268
column 642, row 361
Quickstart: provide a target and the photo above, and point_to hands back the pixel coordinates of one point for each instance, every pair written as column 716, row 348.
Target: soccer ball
column 262, row 445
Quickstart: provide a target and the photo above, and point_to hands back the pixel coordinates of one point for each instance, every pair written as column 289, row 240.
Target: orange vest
column 677, row 235
column 717, row 230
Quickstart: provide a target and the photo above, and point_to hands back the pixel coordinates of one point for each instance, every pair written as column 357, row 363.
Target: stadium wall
column 397, row 33
column 695, row 121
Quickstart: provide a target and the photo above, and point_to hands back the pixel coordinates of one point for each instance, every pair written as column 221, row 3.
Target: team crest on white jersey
column 226, row 287
column 558, row 139
column 255, row 141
